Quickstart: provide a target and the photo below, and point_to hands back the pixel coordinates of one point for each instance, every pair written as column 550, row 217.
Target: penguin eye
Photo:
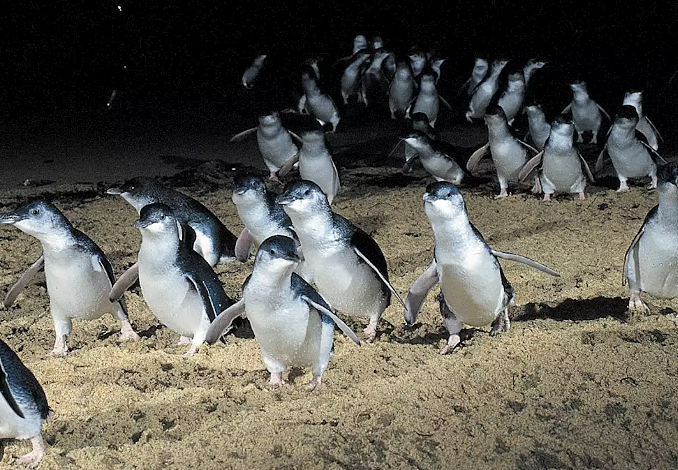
column 271, row 252
column 34, row 211
column 162, row 217
column 307, row 192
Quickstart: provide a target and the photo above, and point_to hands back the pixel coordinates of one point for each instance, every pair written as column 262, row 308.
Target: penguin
column 316, row 164
column 275, row 142
column 292, row 323
column 434, row 158
column 532, row 66
column 179, row 286
column 539, row 128
column 485, row 91
column 509, row 153
column 351, row 77
column 645, row 126
column 478, row 73
column 373, row 82
column 586, row 113
column 419, row 123
column 347, row 265
column 474, row 290
column 561, row 163
column 631, row 157
column 259, row 212
column 428, row 100
column 359, row 43
column 78, row 275
column 23, row 405
column 511, row 100
column 417, row 60
column 320, row 105
column 651, row 262
column 251, row 73
column 401, row 91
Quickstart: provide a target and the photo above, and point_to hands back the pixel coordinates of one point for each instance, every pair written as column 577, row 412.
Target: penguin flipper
column 636, row 239
column 418, row 292
column 337, row 321
column 587, row 168
column 525, row 260
column 379, row 273
column 240, row 136
column 531, row 164
column 654, row 128
column 409, row 164
column 445, row 102
column 464, row 86
column 653, row 152
column 604, row 112
column 477, row 156
column 7, row 393
column 223, row 321
column 243, row 245
column 23, row 281
column 395, row 147
column 209, row 299
column 296, row 137
column 124, row 282
column 287, row 167
column 566, row 109
column 600, row 159
column 528, row 146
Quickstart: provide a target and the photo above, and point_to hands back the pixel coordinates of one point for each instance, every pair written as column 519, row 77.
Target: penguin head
column 498, row 65
column 443, row 200
column 634, row 98
column 313, row 135
column 578, row 87
column 259, row 60
column 627, row 116
column 377, row 42
column 563, row 125
column 139, row 191
column 516, row 78
column 403, row 70
column 278, row 253
column 270, row 118
column 416, row 139
column 480, row 65
column 428, row 78
column 302, row 196
column 534, row 109
column 248, row 187
column 156, row 218
column 535, row 64
column 494, row 114
column 668, row 178
column 37, row 218
column 359, row 42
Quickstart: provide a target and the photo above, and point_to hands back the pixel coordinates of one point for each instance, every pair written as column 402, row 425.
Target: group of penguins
column 311, row 263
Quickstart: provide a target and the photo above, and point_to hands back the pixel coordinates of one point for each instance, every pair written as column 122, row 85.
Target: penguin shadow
column 576, row 310
column 425, row 334
column 242, row 328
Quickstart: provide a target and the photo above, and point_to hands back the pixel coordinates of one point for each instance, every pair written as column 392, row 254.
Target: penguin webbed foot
column 453, row 345
column 276, row 380
column 33, row 458
column 370, row 332
column 127, row 333
column 60, row 348
column 502, row 194
column 501, row 324
column 314, row 383
column 191, row 351
column 637, row 306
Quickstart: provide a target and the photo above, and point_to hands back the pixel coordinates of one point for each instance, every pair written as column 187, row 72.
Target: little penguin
column 561, row 164
column 401, row 91
column 320, row 105
column 531, row 66
column 474, row 290
column 645, row 126
column 347, row 265
column 586, row 113
column 351, row 78
column 539, row 128
column 419, row 123
column 251, row 73
column 374, row 83
column 428, row 100
column 651, row 262
column 23, row 405
column 259, row 212
column 179, row 286
column 485, row 91
column 509, row 153
column 292, row 323
column 78, row 275
column 511, row 100
column 480, row 67
column 274, row 141
column 631, row 157
column 434, row 158
column 316, row 164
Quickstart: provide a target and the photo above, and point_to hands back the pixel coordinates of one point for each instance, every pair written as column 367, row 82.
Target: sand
column 576, row 382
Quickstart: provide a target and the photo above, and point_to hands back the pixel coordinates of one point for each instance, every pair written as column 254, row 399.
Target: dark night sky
column 67, row 51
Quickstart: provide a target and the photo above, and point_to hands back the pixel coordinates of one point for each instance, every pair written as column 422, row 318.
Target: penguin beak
column 284, row 199
column 114, row 190
column 240, row 190
column 291, row 257
column 428, row 197
column 9, row 218
column 142, row 223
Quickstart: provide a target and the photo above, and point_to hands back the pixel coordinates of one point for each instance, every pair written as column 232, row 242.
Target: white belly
column 508, row 157
column 14, row 427
column 443, row 168
column 276, row 149
column 563, row 173
column 657, row 270
column 586, row 117
column 630, row 159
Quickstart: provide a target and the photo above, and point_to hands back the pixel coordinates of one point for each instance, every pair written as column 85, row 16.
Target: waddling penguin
column 292, row 323
column 631, row 157
column 351, row 78
column 484, row 92
column 401, row 91
column 474, row 290
column 539, row 128
column 428, row 100
column 417, row 60
column 511, row 100
column 251, row 73
column 316, row 164
column 509, row 153
column 373, row 82
column 79, row 277
column 561, row 164
column 586, row 113
column 179, row 286
column 320, row 105
column 434, row 158
column 419, row 123
column 645, row 126
column 346, row 264
column 259, row 212
column 479, row 72
column 531, row 66
column 651, row 262
column 23, row 405
column 274, row 141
